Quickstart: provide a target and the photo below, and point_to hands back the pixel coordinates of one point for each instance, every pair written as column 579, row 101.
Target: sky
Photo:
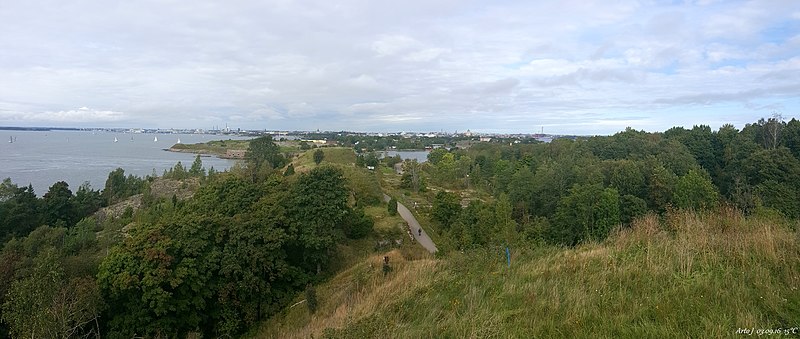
column 562, row 67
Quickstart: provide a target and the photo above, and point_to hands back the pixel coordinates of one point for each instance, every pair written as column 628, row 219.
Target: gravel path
column 421, row 237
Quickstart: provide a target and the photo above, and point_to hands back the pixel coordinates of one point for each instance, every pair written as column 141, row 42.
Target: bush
column 358, row 224
column 392, row 206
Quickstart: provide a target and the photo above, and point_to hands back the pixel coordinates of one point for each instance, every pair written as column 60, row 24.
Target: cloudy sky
column 575, row 66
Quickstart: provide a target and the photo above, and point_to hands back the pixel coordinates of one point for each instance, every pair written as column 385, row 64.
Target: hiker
column 419, row 231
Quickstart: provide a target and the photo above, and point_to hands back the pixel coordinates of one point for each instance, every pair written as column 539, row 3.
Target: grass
column 682, row 275
column 333, row 155
column 383, row 221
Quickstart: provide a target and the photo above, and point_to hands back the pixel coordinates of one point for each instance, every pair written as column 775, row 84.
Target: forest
column 218, row 252
column 571, row 191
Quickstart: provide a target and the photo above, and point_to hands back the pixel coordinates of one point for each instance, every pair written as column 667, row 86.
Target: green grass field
column 685, row 275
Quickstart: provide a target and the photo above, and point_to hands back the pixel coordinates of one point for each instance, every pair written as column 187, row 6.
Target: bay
column 41, row 158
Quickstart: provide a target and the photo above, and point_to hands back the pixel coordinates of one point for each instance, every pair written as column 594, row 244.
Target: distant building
column 486, row 139
column 319, row 142
column 235, row 153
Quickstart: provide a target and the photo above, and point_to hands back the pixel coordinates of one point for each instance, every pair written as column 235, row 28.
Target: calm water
column 43, row 158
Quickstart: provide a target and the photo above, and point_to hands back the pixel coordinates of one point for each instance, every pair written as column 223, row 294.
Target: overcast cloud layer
column 580, row 67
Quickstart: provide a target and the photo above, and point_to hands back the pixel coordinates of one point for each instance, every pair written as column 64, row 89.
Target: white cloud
column 389, row 45
column 394, row 66
column 81, row 115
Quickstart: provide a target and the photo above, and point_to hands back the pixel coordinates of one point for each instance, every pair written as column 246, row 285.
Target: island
column 225, row 149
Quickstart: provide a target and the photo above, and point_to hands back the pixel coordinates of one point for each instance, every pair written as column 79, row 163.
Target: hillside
column 688, row 275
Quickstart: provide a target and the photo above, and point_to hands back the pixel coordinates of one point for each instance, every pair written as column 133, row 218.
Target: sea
column 42, row 158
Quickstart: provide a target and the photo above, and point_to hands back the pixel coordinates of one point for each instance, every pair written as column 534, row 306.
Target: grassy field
column 333, row 155
column 683, row 275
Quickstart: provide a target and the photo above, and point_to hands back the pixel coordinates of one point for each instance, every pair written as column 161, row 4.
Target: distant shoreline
column 39, row 129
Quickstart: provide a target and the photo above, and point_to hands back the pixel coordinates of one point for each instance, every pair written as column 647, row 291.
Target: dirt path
column 422, row 238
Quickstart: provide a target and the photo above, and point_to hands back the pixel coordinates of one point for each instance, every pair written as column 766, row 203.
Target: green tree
column 436, row 155
column 46, row 304
column 522, row 190
column 607, row 214
column 87, row 200
column 317, row 206
column 178, row 172
column 627, row 178
column 311, row 298
column 119, row 187
column 197, row 168
column 59, row 207
column 264, row 154
column 660, row 185
column 505, row 228
column 446, row 208
column 20, row 210
column 289, row 170
column 412, row 176
column 695, row 191
column 391, row 161
column 631, row 207
column 318, row 156
column 791, row 137
column 115, row 186
column 357, row 224
column 588, row 212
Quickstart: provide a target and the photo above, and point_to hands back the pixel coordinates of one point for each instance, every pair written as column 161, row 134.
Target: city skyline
column 572, row 67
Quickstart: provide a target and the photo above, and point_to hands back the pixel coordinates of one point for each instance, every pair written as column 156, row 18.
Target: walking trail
column 423, row 239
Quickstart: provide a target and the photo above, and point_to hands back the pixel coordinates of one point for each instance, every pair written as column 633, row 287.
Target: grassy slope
column 686, row 276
